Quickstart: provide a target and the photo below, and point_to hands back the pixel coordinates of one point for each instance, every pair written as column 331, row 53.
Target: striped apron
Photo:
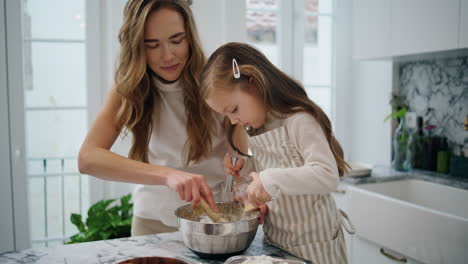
column 308, row 226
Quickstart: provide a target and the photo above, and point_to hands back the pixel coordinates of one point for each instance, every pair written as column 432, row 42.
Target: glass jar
column 413, row 150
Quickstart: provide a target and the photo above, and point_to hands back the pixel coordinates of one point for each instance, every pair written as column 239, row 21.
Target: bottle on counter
column 429, row 149
column 415, row 144
column 443, row 157
column 466, row 123
column 459, row 162
column 400, row 141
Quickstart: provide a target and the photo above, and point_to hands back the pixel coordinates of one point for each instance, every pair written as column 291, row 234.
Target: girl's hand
column 263, row 211
column 239, row 192
column 256, row 192
column 191, row 187
column 229, row 168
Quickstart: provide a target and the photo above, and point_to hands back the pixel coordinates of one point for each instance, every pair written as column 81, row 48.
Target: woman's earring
column 235, row 69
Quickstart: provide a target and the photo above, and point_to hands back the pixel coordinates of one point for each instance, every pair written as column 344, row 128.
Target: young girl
column 297, row 158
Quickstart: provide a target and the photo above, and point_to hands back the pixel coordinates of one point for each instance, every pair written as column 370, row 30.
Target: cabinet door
column 371, row 19
column 365, row 251
column 464, row 24
column 341, row 202
column 424, row 25
column 340, row 196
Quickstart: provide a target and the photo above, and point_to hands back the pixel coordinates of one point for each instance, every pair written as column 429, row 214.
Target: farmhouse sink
column 422, row 220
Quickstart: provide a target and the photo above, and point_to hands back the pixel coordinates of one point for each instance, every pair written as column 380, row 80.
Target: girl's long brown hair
column 140, row 98
column 282, row 94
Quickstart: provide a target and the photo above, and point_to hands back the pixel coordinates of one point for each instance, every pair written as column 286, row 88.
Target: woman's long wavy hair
column 140, row 98
column 282, row 94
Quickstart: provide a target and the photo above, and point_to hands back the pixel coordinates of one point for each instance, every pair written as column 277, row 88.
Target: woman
column 178, row 145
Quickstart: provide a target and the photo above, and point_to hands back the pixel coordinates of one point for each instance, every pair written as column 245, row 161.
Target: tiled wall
column 440, row 84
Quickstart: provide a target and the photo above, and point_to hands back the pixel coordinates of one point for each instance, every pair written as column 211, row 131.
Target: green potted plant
column 106, row 220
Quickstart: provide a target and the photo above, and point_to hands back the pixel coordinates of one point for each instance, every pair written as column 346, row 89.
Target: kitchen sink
column 422, row 220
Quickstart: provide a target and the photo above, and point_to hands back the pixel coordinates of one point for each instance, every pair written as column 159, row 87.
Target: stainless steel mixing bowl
column 218, row 240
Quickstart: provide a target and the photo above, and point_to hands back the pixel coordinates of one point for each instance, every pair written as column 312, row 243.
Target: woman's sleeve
column 318, row 175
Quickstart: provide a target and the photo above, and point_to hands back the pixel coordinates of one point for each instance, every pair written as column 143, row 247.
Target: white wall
column 102, row 53
column 362, row 94
column 218, row 22
column 7, row 242
column 343, row 75
column 370, row 136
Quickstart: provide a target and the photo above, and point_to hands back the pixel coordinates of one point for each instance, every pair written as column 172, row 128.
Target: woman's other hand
column 256, row 192
column 230, row 168
column 191, row 187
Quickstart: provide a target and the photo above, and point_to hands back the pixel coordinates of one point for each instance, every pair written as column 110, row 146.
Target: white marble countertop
column 116, row 250
column 171, row 244
column 385, row 173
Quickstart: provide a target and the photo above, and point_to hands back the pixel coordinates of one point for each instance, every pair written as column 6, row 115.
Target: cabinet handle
column 391, row 256
column 340, row 191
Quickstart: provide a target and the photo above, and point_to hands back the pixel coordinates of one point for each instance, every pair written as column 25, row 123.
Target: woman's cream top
column 166, row 148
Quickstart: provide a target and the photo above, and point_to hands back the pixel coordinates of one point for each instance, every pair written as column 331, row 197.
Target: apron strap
column 346, row 223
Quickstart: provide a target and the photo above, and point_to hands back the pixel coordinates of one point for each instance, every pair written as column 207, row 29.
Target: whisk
column 229, row 188
column 227, row 191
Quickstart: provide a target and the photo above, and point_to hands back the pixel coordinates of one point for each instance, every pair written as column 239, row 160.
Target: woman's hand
column 256, row 192
column 191, row 187
column 231, row 169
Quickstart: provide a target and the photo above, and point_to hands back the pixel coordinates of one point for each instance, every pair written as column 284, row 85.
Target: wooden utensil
column 249, row 207
column 216, row 217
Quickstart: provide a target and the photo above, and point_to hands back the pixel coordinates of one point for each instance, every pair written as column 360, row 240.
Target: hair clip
column 235, row 69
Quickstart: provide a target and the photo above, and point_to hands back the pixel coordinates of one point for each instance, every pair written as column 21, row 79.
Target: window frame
column 290, row 41
column 13, row 134
column 17, row 144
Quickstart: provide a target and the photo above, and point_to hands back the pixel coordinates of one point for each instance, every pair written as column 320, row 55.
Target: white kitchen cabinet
column 405, row 216
column 340, row 196
column 371, row 29
column 365, row 251
column 464, row 24
column 388, row 28
column 424, row 25
column 342, row 203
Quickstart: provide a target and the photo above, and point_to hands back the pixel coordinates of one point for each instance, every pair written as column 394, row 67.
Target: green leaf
column 99, row 207
column 105, row 234
column 78, row 238
column 125, row 200
column 92, row 232
column 399, row 114
column 76, row 220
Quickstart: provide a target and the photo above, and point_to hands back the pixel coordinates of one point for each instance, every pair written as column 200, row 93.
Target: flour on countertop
column 263, row 260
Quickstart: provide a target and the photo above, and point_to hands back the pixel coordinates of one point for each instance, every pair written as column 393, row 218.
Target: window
column 262, row 27
column 297, row 36
column 56, row 112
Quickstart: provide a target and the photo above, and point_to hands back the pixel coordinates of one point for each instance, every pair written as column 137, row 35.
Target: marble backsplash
column 437, row 90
